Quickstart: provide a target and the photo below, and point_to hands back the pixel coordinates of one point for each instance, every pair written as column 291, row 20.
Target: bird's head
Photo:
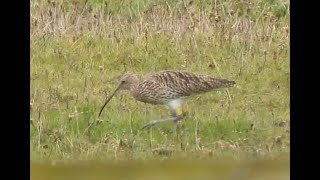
column 127, row 81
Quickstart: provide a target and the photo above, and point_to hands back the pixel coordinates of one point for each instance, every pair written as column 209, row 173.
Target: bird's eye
column 123, row 81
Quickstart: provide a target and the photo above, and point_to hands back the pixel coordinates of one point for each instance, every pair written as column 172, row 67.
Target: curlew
column 168, row 88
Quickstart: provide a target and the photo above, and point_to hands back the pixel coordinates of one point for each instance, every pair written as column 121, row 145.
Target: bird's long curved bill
column 109, row 99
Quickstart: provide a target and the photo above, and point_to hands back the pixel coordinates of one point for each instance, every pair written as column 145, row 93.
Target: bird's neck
column 134, row 84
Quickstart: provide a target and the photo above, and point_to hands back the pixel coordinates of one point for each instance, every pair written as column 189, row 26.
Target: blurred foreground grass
column 173, row 169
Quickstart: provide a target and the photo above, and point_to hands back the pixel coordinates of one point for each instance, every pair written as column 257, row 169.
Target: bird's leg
column 177, row 115
column 177, row 112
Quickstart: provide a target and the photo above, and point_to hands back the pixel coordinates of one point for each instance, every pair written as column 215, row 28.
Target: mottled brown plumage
column 169, row 87
column 164, row 86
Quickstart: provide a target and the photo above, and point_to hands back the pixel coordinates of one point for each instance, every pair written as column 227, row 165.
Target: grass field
column 78, row 49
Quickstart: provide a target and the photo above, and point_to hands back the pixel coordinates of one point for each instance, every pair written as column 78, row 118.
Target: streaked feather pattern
column 163, row 86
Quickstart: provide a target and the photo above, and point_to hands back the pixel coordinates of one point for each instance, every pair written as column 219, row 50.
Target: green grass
column 76, row 52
